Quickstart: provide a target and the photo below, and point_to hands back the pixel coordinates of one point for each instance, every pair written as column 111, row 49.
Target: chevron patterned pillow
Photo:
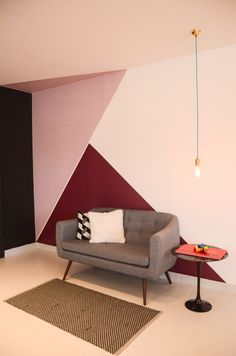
column 83, row 227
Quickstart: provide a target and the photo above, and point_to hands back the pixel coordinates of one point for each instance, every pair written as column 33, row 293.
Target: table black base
column 198, row 305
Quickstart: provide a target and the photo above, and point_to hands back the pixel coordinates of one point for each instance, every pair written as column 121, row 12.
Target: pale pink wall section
column 64, row 119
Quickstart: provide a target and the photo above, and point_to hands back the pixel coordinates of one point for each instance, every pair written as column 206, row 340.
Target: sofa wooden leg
column 67, row 269
column 144, row 284
column 168, row 277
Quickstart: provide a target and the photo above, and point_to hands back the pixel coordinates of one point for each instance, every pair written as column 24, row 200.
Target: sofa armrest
column 161, row 243
column 65, row 230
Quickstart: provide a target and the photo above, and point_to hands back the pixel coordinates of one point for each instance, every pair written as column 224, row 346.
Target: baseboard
column 20, row 249
column 45, row 247
column 29, row 247
column 205, row 283
column 175, row 277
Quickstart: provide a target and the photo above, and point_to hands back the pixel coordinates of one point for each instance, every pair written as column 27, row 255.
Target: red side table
column 197, row 304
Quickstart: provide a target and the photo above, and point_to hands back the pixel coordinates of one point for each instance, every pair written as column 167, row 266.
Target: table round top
column 194, row 258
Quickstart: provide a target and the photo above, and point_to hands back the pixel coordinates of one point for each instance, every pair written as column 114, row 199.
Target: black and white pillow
column 83, row 228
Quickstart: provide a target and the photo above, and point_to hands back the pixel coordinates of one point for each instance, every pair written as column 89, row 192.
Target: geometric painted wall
column 146, row 135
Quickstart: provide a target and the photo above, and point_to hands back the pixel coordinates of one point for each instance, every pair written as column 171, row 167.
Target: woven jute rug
column 105, row 321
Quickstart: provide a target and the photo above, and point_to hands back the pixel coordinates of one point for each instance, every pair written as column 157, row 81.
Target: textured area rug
column 104, row 321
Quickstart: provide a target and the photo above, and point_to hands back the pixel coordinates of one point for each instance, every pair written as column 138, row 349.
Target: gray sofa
column 146, row 254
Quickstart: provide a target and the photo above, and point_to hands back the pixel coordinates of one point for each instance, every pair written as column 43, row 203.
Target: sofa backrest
column 140, row 225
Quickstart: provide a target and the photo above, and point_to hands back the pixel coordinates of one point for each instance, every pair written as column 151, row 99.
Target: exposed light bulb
column 197, row 171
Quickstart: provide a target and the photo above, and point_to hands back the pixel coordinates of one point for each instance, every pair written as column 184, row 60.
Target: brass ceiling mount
column 196, row 32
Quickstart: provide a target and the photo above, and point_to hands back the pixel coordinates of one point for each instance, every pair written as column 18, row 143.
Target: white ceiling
column 42, row 39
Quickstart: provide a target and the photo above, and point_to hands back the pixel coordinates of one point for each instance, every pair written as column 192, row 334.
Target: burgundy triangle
column 96, row 183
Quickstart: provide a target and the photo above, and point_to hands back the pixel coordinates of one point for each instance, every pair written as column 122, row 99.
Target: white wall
column 148, row 134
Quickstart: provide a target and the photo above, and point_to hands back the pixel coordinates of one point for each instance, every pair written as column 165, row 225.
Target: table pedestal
column 198, row 305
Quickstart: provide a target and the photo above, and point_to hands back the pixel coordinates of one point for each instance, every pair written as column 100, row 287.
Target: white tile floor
column 177, row 331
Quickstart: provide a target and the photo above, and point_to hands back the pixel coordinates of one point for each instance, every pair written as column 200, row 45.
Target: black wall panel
column 1, row 222
column 17, row 204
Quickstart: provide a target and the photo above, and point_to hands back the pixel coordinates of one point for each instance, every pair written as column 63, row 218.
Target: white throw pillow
column 106, row 227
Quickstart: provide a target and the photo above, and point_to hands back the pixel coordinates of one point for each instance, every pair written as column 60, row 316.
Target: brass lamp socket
column 196, row 32
column 197, row 162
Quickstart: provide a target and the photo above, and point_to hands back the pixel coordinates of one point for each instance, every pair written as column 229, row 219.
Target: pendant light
column 196, row 33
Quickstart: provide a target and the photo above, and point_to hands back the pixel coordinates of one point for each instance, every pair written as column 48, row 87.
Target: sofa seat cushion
column 137, row 255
